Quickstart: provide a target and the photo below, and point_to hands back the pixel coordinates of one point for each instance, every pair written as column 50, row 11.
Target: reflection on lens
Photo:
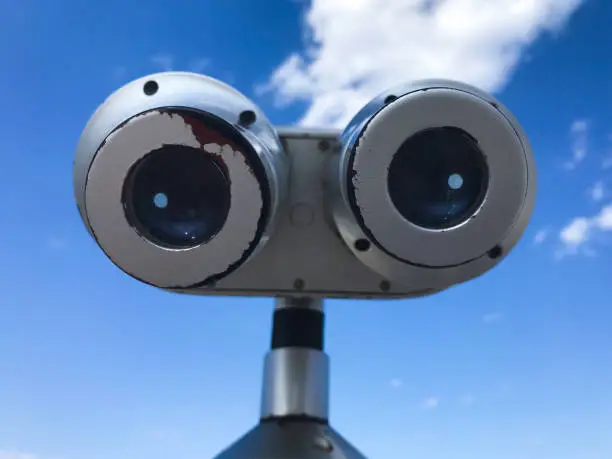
column 160, row 200
column 177, row 196
column 455, row 181
column 438, row 178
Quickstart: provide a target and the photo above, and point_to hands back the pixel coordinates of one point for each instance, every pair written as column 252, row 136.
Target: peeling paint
column 202, row 137
column 207, row 136
column 132, row 141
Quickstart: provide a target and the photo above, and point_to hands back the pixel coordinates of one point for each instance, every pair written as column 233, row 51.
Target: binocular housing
column 186, row 185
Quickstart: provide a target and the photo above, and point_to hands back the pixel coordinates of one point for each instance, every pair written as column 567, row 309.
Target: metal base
column 294, row 409
column 283, row 439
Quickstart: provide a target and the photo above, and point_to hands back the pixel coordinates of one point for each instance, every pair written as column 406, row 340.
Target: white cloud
column 606, row 163
column 357, row 49
column 603, row 221
column 492, row 317
column 431, row 403
column 4, row 454
column 576, row 235
column 579, row 132
column 598, row 191
column 396, row 383
column 541, row 236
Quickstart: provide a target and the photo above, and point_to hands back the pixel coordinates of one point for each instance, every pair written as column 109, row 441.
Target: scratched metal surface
column 305, row 256
column 121, row 240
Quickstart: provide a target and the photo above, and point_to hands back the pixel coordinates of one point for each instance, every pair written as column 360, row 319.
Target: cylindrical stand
column 295, row 397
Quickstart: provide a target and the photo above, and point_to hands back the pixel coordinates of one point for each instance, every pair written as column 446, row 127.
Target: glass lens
column 178, row 196
column 438, row 178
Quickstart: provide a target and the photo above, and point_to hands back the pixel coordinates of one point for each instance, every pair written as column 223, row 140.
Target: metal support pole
column 296, row 370
column 294, row 418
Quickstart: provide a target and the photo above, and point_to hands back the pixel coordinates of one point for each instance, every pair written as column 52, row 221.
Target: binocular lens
column 438, row 178
column 177, row 196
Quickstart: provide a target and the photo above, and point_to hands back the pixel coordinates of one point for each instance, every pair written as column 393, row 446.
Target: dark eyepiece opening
column 438, row 178
column 177, row 196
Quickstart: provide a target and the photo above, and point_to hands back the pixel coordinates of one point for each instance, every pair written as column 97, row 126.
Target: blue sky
column 514, row 365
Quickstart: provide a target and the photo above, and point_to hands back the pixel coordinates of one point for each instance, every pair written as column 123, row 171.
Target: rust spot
column 206, row 135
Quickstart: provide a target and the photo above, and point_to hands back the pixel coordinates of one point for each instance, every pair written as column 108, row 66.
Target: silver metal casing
column 294, row 440
column 149, row 113
column 302, row 193
column 306, row 256
column 417, row 257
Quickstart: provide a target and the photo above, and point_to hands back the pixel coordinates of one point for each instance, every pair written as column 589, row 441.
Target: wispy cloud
column 430, row 403
column 198, row 65
column 492, row 317
column 167, row 62
column 5, row 454
column 579, row 132
column 467, row 400
column 337, row 73
column 396, row 383
column 164, row 61
column 598, row 191
column 577, row 234
column 541, row 236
